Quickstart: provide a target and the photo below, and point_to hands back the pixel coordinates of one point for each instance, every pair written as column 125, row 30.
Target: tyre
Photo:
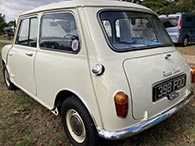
column 77, row 122
column 8, row 83
column 185, row 41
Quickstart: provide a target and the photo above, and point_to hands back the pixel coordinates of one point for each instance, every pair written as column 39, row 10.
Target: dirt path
column 190, row 59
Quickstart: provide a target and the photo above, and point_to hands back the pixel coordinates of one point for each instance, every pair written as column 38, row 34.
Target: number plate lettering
column 164, row 88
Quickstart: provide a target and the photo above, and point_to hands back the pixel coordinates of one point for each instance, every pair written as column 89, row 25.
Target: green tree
column 170, row 7
column 3, row 23
column 157, row 5
column 12, row 23
column 187, row 6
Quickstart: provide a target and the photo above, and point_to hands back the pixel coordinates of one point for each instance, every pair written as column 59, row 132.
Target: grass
column 2, row 37
column 1, row 75
column 24, row 122
column 24, row 143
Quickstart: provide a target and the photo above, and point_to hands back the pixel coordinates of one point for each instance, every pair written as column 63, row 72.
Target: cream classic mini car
column 107, row 67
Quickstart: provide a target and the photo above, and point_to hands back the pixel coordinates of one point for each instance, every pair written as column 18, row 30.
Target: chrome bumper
column 113, row 135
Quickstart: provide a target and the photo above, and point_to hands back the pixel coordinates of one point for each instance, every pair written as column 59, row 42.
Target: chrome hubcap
column 75, row 125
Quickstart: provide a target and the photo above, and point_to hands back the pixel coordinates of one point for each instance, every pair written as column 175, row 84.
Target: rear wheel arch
column 65, row 96
column 78, row 123
column 62, row 96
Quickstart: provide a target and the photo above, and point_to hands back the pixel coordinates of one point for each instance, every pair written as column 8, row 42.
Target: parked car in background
column 108, row 68
column 180, row 27
column 9, row 32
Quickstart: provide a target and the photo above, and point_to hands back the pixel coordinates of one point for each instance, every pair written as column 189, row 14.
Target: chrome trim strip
column 121, row 134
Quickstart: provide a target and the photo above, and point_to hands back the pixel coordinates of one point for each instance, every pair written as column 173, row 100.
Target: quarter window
column 27, row 34
column 22, row 38
column 59, row 32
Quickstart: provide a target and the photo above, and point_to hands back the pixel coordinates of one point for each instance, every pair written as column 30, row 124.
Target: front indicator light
column 192, row 75
column 121, row 104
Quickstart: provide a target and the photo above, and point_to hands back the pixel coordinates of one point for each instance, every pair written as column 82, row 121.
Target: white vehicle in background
column 107, row 67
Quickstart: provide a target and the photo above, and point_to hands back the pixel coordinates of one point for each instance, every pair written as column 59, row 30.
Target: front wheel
column 77, row 123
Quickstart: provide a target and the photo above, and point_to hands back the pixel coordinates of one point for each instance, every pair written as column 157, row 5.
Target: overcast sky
column 12, row 8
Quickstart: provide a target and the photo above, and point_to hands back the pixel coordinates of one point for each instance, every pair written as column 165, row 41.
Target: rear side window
column 59, row 32
column 27, row 34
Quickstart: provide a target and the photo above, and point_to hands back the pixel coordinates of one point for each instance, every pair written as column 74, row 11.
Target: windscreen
column 126, row 30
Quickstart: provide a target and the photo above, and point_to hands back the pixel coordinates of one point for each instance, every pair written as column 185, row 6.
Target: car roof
column 86, row 3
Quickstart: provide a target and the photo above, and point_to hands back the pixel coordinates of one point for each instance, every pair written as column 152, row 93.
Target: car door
column 21, row 56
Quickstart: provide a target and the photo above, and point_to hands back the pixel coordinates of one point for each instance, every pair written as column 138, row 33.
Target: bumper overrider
column 121, row 134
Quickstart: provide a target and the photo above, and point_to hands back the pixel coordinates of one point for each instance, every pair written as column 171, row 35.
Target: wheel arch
column 4, row 52
column 60, row 97
column 3, row 62
column 65, row 94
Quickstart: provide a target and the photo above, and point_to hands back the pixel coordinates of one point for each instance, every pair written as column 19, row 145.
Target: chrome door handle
column 29, row 54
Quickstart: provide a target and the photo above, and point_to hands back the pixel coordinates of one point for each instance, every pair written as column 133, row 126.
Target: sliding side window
column 27, row 34
column 59, row 32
